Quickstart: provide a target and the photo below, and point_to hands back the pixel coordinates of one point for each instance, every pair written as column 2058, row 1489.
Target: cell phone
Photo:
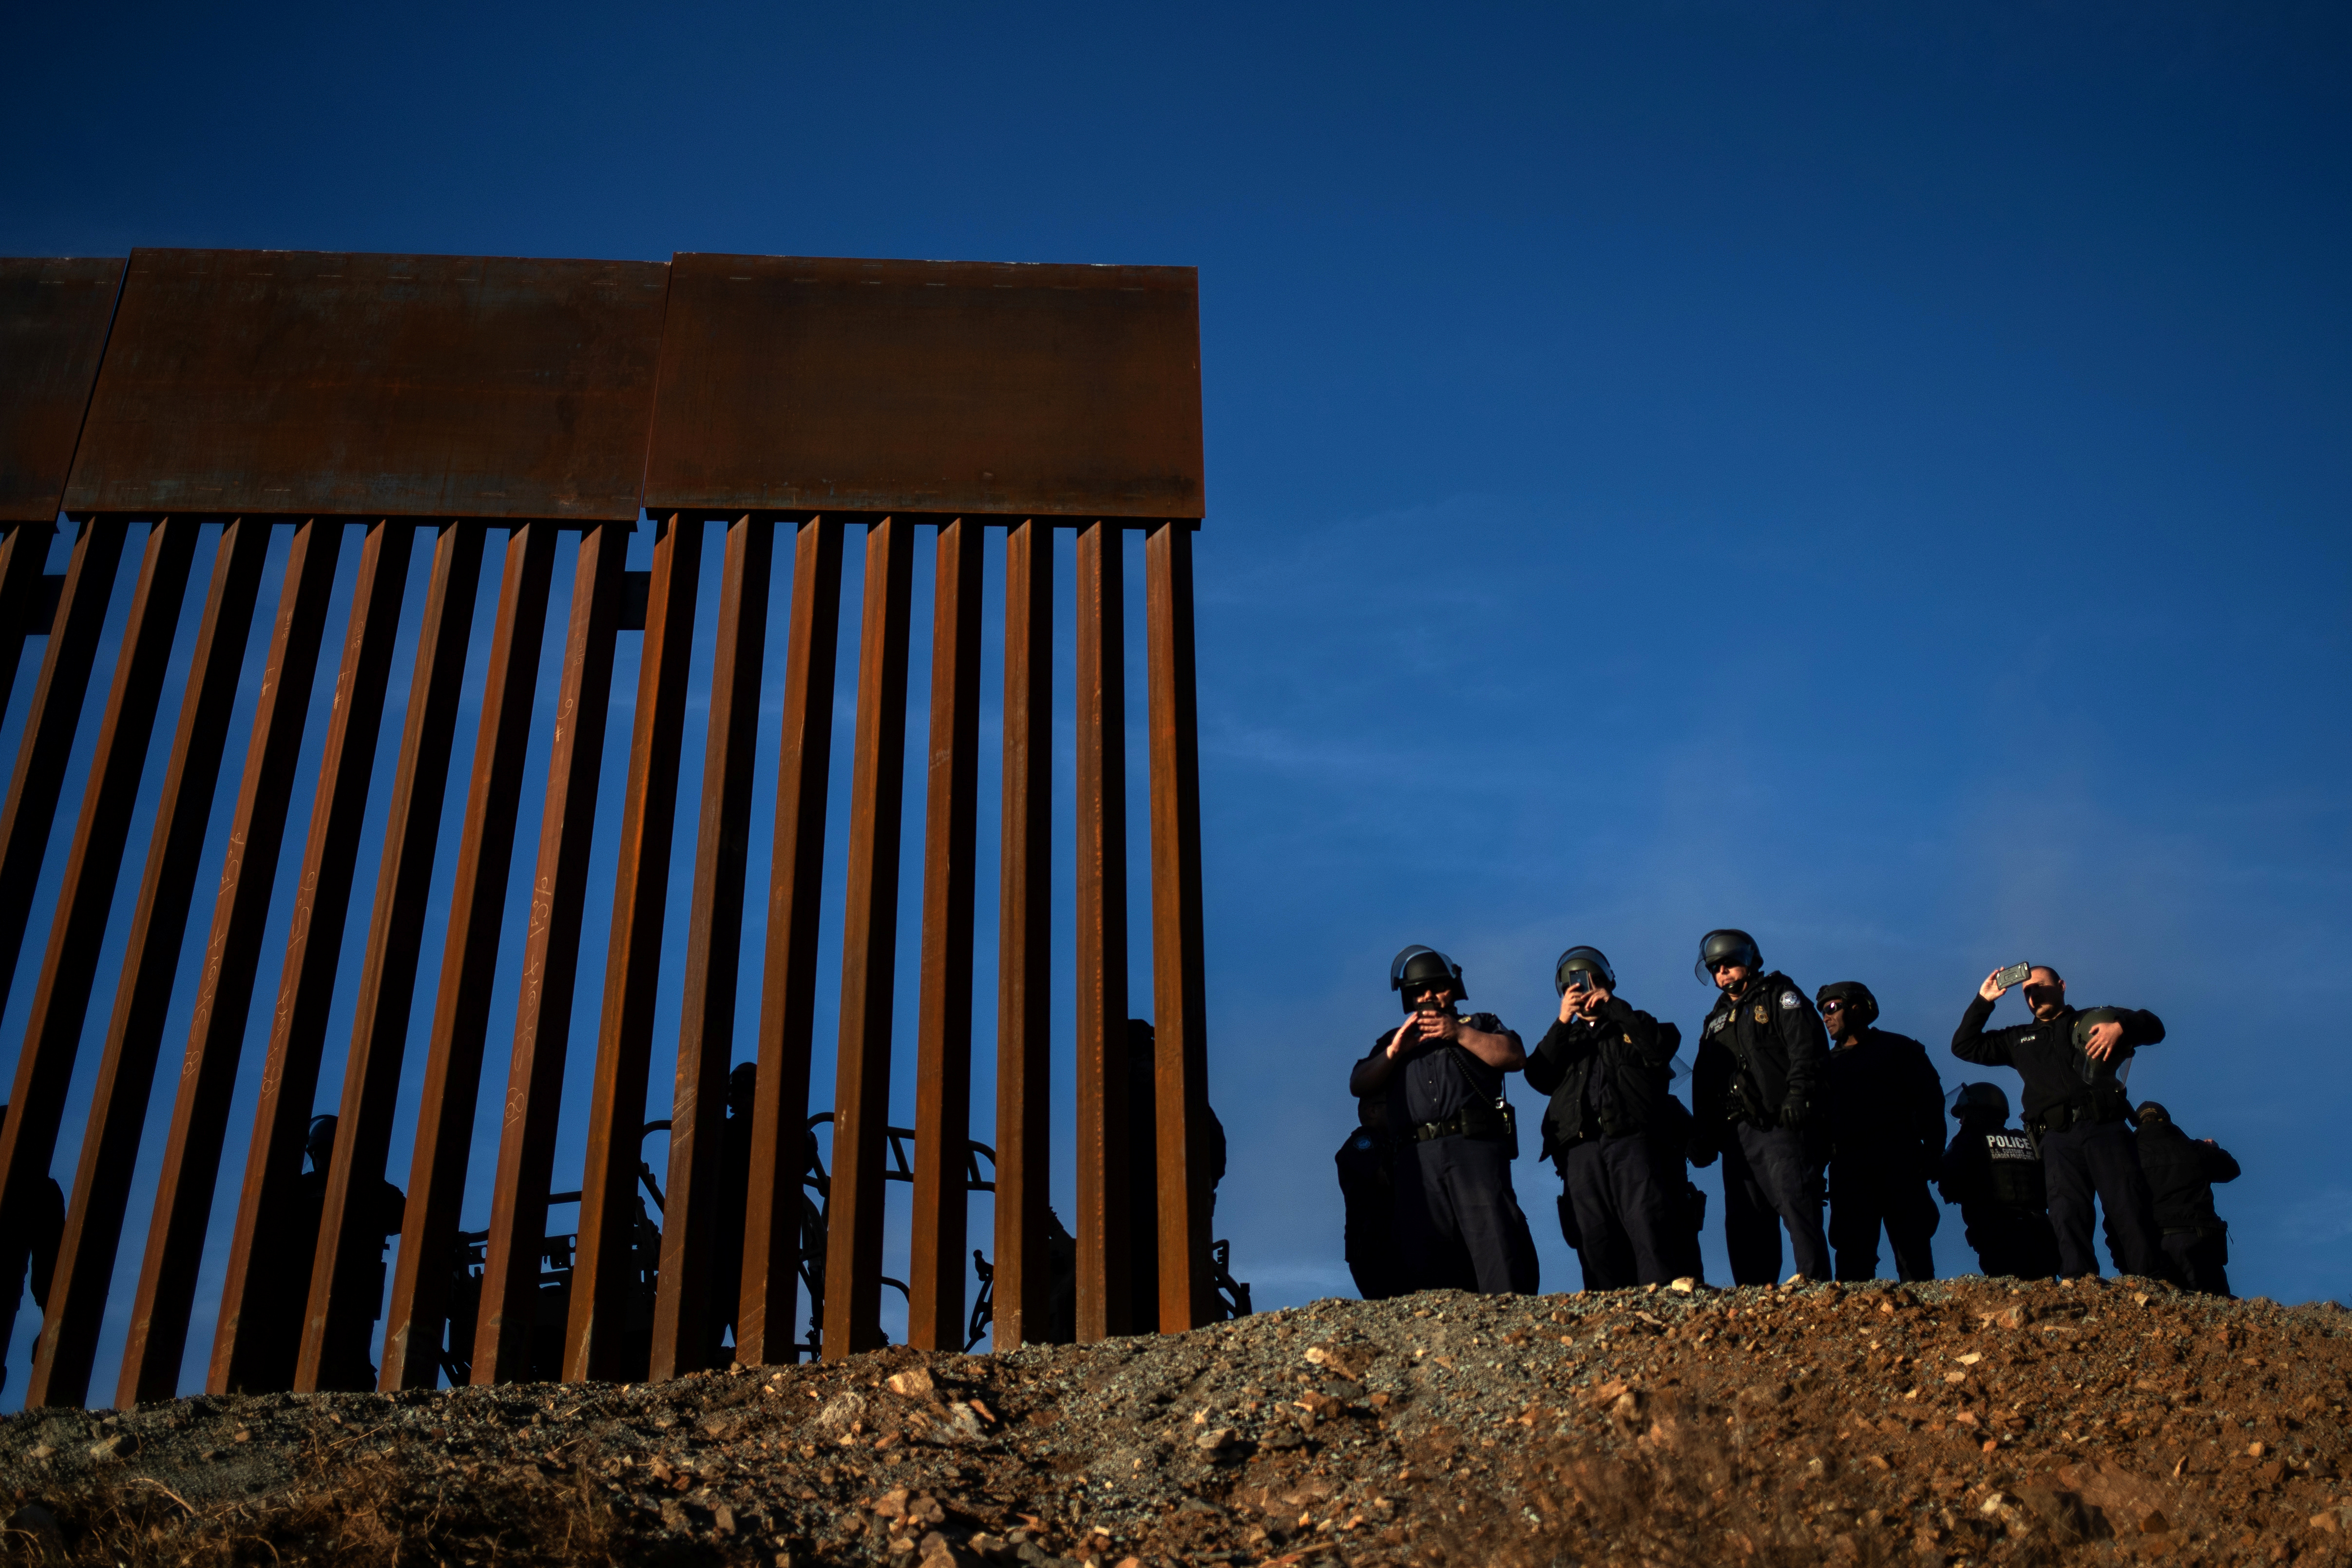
column 2011, row 975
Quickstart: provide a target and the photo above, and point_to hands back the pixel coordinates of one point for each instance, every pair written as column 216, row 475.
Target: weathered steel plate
column 789, row 383
column 375, row 386
column 53, row 316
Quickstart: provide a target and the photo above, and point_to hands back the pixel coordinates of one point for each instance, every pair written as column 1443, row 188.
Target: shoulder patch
column 1788, row 999
column 1715, row 1024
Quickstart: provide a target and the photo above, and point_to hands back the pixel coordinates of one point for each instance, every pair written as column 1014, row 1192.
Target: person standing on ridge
column 1992, row 1172
column 2076, row 1111
column 1886, row 1135
column 1609, row 1069
column 2181, row 1171
column 1443, row 1074
column 1756, row 1094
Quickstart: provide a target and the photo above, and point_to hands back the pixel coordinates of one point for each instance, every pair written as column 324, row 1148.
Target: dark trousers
column 1368, row 1183
column 1455, row 1204
column 2202, row 1259
column 2011, row 1242
column 1628, row 1207
column 1867, row 1194
column 1770, row 1179
column 2098, row 1159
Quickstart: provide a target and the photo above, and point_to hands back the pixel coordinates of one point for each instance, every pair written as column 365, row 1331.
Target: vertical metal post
column 595, row 1338
column 76, row 1309
column 49, row 724
column 696, row 1213
column 344, row 1282
column 943, row 1027
column 24, row 560
column 1024, row 1273
column 551, row 964
column 763, row 1327
column 158, row 1337
column 1103, row 1281
column 1180, row 993
column 258, row 1334
column 45, row 1062
column 861, row 1105
column 418, row 1310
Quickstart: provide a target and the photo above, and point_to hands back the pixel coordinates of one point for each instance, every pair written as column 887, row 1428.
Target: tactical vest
column 2017, row 1181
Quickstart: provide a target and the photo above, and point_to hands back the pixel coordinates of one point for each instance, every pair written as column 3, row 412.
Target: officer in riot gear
column 2077, row 1114
column 2181, row 1171
column 1442, row 1073
column 1609, row 1069
column 1992, row 1171
column 1886, row 1135
column 1756, row 1094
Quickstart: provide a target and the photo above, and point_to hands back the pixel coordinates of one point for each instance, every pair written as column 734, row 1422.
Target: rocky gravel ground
column 1966, row 1421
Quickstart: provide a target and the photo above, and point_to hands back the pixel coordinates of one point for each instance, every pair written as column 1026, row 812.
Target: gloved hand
column 1795, row 1110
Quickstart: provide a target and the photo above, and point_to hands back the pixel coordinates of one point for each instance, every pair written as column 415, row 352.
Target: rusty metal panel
column 23, row 565
column 158, row 1336
column 1104, row 1277
column 362, row 384
column 551, row 964
column 150, row 961
column 934, row 1271
column 259, row 1332
column 764, row 1325
column 53, row 313
column 345, row 1281
column 1180, row 992
column 595, row 1335
column 870, row 949
column 418, row 1309
column 1024, row 1059
column 795, row 382
column 52, row 1036
column 697, row 1218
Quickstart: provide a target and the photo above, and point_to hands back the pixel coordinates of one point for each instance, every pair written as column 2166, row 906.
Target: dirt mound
column 1962, row 1420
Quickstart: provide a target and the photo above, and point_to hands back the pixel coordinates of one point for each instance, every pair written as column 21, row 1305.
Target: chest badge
column 1760, row 1015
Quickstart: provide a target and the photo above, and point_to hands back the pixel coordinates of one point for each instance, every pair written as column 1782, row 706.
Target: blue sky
column 1879, row 478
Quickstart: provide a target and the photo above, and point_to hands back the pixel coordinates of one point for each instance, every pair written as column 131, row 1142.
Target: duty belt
column 1471, row 1122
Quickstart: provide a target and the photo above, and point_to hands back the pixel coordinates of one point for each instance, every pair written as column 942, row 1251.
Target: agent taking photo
column 1612, row 1130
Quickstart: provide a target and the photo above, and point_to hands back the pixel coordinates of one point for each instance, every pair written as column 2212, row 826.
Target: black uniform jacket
column 1993, row 1164
column 2055, row 1073
column 1770, row 1042
column 2181, row 1173
column 1606, row 1076
column 1435, row 1081
column 1885, row 1105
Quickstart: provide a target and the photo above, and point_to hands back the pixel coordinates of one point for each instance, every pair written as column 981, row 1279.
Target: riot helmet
column 1588, row 960
column 1420, row 965
column 1726, row 946
column 320, row 1143
column 1855, row 996
column 1981, row 1100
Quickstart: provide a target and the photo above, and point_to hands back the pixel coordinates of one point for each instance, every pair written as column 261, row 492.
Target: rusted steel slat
column 594, row 1341
column 418, row 1309
column 1104, row 1285
column 158, row 1336
column 344, row 1278
column 24, row 557
column 1180, row 993
column 551, row 964
column 54, row 312
column 49, row 724
column 943, row 1028
column 134, row 1035
column 870, row 947
column 314, row 381
column 52, row 1038
column 1024, row 1273
column 763, row 1325
column 259, row 1332
column 695, row 1218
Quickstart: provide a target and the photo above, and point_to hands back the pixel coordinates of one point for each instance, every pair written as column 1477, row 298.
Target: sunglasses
column 1417, row 992
column 1720, row 964
column 1835, row 1005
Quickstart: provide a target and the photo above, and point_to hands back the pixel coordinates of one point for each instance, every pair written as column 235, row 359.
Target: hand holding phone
column 2005, row 978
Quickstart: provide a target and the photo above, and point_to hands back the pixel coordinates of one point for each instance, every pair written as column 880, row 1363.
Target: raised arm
column 1969, row 1041
column 1371, row 1075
